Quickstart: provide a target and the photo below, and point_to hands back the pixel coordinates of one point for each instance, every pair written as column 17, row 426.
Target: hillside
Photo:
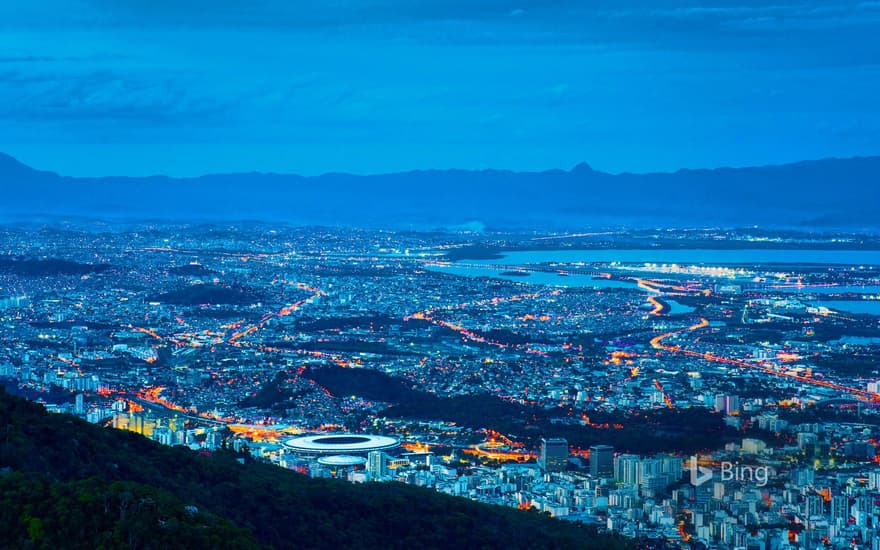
column 664, row 430
column 830, row 193
column 68, row 483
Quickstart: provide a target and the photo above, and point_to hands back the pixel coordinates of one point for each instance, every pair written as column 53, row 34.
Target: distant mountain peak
column 11, row 166
column 582, row 168
column 8, row 161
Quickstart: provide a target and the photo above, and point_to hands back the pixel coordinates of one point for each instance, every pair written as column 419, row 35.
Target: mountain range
column 820, row 194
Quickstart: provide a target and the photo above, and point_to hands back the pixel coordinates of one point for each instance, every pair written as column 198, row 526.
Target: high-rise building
column 806, row 441
column 626, row 469
column 840, row 508
column 601, row 461
column 377, row 464
column 554, row 454
column 79, row 407
column 727, row 404
column 163, row 435
column 812, row 507
column 874, row 480
column 214, row 440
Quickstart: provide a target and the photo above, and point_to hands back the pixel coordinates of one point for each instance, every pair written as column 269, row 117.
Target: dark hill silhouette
column 830, row 193
column 67, row 483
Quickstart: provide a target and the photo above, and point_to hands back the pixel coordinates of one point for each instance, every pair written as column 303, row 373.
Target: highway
column 657, row 343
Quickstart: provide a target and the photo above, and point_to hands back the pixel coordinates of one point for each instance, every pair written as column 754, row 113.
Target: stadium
column 339, row 444
column 342, row 461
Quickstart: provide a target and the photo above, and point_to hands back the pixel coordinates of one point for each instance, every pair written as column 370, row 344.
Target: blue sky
column 100, row 87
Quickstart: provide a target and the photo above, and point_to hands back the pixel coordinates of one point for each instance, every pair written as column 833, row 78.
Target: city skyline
column 440, row 274
column 675, row 387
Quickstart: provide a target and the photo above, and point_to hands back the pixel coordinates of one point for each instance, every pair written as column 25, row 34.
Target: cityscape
column 723, row 396
column 440, row 274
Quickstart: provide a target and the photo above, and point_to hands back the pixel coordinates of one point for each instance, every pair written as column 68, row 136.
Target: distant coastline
column 491, row 252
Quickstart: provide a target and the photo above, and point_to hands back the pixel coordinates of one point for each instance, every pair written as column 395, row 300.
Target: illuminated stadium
column 339, row 444
column 342, row 461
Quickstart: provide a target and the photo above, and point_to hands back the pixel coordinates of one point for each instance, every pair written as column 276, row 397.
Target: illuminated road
column 666, row 398
column 316, row 293
column 151, row 397
column 657, row 343
column 467, row 334
column 658, row 305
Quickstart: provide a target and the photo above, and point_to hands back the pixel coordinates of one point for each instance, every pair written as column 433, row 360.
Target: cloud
column 659, row 23
column 24, row 59
column 29, row 59
column 103, row 95
column 726, row 11
column 468, row 79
